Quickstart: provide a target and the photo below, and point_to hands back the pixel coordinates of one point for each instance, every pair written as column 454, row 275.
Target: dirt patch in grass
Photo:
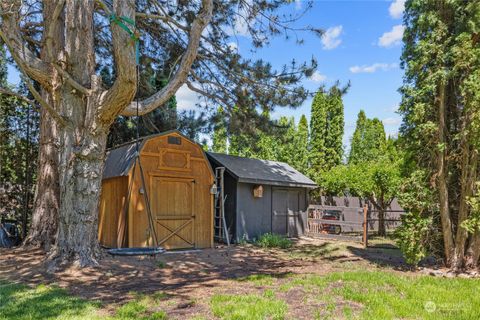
column 187, row 281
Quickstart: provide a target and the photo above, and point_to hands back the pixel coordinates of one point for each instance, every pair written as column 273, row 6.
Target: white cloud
column 330, row 38
column 298, row 4
column 393, row 37
column 373, row 68
column 396, row 8
column 233, row 46
column 392, row 121
column 240, row 25
column 318, row 77
column 186, row 98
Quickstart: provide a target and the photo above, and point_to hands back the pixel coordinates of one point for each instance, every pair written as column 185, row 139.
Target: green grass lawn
column 349, row 295
column 49, row 302
column 382, row 295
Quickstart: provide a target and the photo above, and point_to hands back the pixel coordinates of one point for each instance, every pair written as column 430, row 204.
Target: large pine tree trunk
column 81, row 169
column 43, row 228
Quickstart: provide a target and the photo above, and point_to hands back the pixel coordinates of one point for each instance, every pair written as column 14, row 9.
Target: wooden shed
column 178, row 180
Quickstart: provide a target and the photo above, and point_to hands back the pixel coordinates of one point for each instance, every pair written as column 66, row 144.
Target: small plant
column 271, row 240
column 243, row 241
column 161, row 264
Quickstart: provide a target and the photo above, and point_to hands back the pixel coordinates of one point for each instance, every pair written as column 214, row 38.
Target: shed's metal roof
column 120, row 159
column 261, row 171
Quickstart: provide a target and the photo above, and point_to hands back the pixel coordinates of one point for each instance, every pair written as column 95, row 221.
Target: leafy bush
column 271, row 240
column 412, row 237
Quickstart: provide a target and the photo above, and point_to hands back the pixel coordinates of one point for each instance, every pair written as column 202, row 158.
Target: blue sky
column 362, row 45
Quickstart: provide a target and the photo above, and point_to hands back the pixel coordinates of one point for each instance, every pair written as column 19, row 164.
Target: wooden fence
column 354, row 224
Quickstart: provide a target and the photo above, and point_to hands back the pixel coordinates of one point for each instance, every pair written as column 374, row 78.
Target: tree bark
column 381, row 223
column 81, row 169
column 467, row 181
column 381, row 207
column 473, row 251
column 43, row 228
column 442, row 179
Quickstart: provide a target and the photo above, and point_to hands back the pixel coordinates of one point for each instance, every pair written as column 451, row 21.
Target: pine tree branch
column 51, row 28
column 180, row 76
column 31, row 65
column 68, row 78
column 16, row 95
column 123, row 90
column 165, row 19
column 55, row 115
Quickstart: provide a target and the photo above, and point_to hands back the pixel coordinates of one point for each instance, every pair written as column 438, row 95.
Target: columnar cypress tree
column 368, row 140
column 301, row 146
column 318, row 129
column 327, row 125
column 356, row 146
column 335, row 129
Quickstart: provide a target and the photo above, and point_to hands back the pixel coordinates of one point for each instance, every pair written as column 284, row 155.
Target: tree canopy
column 440, row 130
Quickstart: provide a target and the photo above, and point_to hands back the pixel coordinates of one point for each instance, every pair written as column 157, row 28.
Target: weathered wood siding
column 112, row 200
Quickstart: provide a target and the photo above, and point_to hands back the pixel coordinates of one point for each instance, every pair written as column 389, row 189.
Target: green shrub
column 412, row 237
column 270, row 240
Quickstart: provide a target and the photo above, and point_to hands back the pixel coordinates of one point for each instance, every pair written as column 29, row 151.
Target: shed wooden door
column 173, row 210
column 292, row 212
column 285, row 207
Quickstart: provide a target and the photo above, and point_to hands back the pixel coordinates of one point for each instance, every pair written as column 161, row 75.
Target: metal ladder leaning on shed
column 220, row 225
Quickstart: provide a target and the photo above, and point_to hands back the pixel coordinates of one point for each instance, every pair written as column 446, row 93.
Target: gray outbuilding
column 262, row 196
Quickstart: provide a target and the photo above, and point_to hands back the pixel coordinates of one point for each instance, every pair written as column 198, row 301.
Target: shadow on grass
column 23, row 302
column 382, row 256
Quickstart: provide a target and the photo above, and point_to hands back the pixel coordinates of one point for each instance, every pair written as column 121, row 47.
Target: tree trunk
column 81, row 169
column 381, row 223
column 43, row 228
column 467, row 181
column 381, row 207
column 473, row 251
column 442, row 180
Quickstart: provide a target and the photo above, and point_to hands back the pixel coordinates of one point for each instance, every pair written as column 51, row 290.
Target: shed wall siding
column 114, row 192
column 253, row 214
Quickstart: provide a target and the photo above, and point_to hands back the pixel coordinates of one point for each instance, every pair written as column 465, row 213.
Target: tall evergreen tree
column 301, row 146
column 441, row 128
column 327, row 127
column 335, row 127
column 368, row 140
